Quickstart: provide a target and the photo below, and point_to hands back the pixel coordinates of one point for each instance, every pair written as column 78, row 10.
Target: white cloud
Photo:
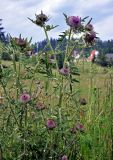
column 86, row 4
column 50, row 6
column 105, row 28
column 82, row 6
column 15, row 13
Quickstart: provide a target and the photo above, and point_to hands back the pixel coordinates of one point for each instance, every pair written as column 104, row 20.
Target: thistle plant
column 38, row 121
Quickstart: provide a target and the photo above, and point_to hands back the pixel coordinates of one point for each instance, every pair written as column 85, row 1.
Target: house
column 93, row 55
column 109, row 56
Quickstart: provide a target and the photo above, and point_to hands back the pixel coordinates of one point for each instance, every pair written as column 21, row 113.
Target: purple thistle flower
column 73, row 130
column 64, row 157
column 89, row 27
column 74, row 21
column 80, row 127
column 20, row 42
column 50, row 124
column 90, row 37
column 40, row 106
column 64, row 71
column 82, row 101
column 25, row 97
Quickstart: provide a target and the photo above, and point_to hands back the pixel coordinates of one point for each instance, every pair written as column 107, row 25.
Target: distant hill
column 102, row 46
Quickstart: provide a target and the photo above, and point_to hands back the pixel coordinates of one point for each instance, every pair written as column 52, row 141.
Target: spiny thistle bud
column 89, row 27
column 90, row 37
column 80, row 127
column 82, row 101
column 50, row 124
column 20, row 42
column 40, row 106
column 73, row 130
column 40, row 19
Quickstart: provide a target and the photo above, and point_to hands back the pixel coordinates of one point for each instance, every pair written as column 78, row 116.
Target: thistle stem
column 67, row 46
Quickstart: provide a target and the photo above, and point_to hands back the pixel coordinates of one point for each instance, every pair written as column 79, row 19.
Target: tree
column 2, row 35
column 3, row 38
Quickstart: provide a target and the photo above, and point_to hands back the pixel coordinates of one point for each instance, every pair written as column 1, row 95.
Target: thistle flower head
column 73, row 21
column 41, row 19
column 90, row 37
column 82, row 101
column 21, row 42
column 89, row 27
column 24, row 98
column 64, row 157
column 40, row 106
column 80, row 127
column 64, row 71
column 73, row 130
column 50, row 124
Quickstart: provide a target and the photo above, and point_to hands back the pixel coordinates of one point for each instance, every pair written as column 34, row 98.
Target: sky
column 15, row 12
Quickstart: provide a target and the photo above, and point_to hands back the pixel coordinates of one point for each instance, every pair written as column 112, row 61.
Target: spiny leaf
column 89, row 21
column 31, row 20
column 85, row 18
column 65, row 15
column 75, row 80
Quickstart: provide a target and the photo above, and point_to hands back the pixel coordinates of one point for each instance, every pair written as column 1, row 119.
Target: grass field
column 94, row 142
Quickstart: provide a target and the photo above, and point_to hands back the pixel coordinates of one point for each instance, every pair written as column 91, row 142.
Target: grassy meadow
column 23, row 134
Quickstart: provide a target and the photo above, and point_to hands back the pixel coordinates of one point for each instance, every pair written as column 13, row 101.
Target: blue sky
column 15, row 12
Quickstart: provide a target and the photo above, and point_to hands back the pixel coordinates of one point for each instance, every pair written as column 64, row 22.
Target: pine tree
column 2, row 35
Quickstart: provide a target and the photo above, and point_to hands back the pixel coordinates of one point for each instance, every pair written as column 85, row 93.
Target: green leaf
column 74, row 80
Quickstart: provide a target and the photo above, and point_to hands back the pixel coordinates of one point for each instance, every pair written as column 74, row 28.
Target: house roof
column 109, row 55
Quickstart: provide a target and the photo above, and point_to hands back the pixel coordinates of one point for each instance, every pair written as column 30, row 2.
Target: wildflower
column 89, row 27
column 25, row 97
column 82, row 101
column 90, row 37
column 52, row 59
column 82, row 114
column 40, row 106
column 41, row 19
column 80, row 127
column 50, row 124
column 64, row 157
column 74, row 21
column 20, row 42
column 73, row 130
column 64, row 71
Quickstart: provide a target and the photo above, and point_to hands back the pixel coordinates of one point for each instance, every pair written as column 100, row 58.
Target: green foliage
column 45, row 112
